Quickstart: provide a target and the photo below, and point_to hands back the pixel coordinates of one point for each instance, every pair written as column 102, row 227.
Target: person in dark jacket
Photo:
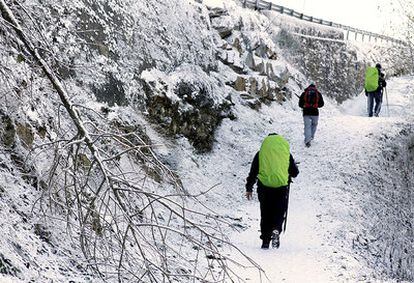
column 272, row 167
column 376, row 95
column 310, row 100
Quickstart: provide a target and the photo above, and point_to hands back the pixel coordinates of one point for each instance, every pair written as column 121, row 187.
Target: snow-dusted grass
column 323, row 223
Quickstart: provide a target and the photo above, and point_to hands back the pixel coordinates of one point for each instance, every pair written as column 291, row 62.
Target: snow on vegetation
column 176, row 97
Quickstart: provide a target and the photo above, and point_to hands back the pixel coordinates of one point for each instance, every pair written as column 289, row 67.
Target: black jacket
column 381, row 81
column 310, row 111
column 254, row 171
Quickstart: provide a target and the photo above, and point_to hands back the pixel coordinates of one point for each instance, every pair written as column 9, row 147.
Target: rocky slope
column 138, row 70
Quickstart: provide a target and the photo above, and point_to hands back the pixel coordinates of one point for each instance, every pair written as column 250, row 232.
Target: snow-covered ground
column 319, row 202
column 323, row 223
column 318, row 243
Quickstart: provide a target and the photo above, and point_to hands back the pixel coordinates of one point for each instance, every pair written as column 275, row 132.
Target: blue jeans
column 377, row 97
column 311, row 123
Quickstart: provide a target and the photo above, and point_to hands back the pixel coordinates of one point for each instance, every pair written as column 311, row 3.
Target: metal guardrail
column 264, row 5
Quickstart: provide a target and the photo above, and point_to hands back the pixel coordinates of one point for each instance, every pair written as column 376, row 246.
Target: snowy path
column 318, row 202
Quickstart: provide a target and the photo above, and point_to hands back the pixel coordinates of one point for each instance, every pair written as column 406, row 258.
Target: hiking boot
column 265, row 244
column 308, row 144
column 275, row 239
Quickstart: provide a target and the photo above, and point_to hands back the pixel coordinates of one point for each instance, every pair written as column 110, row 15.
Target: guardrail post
column 363, row 35
column 257, row 4
column 244, row 3
column 282, row 10
column 270, row 6
column 347, row 34
column 311, row 19
column 356, row 35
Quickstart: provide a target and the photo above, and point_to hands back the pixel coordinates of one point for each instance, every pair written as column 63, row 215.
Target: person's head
column 378, row 66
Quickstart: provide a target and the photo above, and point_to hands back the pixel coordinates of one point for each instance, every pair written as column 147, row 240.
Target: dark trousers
column 376, row 97
column 273, row 205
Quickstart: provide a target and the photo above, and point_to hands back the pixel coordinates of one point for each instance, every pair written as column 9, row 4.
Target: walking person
column 272, row 168
column 310, row 100
column 374, row 89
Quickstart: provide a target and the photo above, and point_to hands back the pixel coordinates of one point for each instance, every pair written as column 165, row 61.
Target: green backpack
column 371, row 79
column 274, row 157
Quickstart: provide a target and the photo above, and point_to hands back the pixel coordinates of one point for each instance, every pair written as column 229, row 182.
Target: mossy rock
column 195, row 115
column 237, row 45
column 253, row 86
column 25, row 134
column 103, row 50
column 83, row 161
column 20, row 58
column 9, row 131
column 96, row 223
column 240, row 84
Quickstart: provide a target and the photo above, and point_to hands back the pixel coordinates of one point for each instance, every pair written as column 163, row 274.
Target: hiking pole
column 386, row 98
column 287, row 206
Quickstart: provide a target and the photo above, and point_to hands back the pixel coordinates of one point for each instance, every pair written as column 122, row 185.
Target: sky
column 370, row 15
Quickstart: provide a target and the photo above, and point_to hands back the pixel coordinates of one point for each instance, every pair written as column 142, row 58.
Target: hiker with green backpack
column 374, row 88
column 272, row 167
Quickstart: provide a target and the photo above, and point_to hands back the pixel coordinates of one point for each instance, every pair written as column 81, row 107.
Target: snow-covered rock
column 165, row 77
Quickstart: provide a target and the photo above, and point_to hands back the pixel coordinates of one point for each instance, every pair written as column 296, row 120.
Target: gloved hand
column 249, row 195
